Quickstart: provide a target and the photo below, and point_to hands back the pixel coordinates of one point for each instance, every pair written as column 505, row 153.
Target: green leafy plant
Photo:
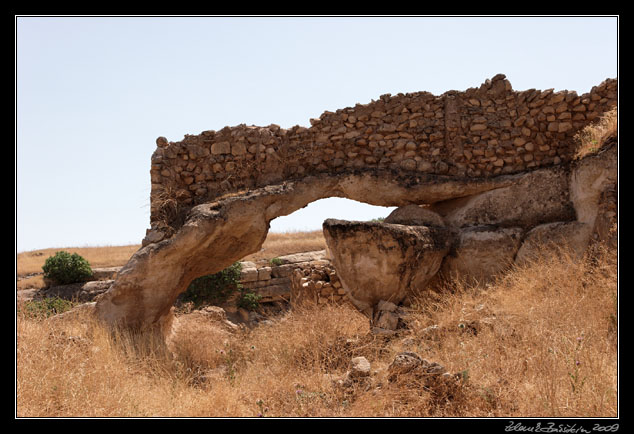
column 249, row 300
column 46, row 307
column 377, row 220
column 214, row 288
column 275, row 261
column 63, row 268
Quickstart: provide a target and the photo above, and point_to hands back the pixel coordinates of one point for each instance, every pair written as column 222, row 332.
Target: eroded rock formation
column 558, row 209
column 382, row 261
column 472, row 154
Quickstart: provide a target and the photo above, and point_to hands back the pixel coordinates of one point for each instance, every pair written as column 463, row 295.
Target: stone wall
column 294, row 278
column 478, row 133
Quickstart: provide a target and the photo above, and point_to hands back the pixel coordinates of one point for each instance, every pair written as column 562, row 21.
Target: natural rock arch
column 214, row 195
column 217, row 234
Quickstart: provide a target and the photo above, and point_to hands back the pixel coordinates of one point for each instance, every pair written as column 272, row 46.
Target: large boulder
column 382, row 261
column 414, row 215
column 480, row 253
column 569, row 237
column 591, row 180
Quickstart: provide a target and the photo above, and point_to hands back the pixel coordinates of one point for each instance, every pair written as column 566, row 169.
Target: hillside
column 540, row 341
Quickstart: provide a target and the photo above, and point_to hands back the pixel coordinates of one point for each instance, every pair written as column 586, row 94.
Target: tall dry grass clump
column 541, row 341
column 592, row 138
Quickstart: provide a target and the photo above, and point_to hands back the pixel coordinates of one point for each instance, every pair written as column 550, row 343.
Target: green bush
column 214, row 288
column 275, row 262
column 249, row 300
column 64, row 268
column 46, row 307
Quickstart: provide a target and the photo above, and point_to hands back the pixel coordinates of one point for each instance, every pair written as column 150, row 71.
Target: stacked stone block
column 318, row 283
column 294, row 278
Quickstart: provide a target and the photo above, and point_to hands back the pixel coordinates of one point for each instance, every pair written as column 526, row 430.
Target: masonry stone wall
column 481, row 132
column 297, row 278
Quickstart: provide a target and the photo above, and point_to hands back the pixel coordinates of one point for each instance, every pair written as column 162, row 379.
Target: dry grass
column 541, row 342
column 592, row 138
column 285, row 243
column 29, row 264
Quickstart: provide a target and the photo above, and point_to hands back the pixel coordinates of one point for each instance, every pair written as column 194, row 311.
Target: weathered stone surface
column 481, row 252
column 82, row 292
column 213, row 313
column 302, row 257
column 414, row 215
column 533, row 198
column 359, row 367
column 552, row 237
column 386, row 320
column 108, row 273
column 264, row 273
column 412, row 365
column 379, row 261
column 589, row 178
column 249, row 274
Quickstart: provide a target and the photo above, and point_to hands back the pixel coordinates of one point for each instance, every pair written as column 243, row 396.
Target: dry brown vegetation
column 592, row 138
column 539, row 342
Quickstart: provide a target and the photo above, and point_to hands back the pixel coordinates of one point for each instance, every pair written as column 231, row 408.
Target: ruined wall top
column 477, row 133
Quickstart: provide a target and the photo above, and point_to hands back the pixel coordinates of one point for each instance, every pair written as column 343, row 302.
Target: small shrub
column 64, row 268
column 249, row 300
column 214, row 288
column 46, row 307
column 377, row 220
column 275, row 262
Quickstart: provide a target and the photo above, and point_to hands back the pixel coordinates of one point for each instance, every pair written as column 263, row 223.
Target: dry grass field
column 539, row 342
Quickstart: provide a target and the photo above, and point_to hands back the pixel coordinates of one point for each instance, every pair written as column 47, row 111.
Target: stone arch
column 217, row 234
column 214, row 194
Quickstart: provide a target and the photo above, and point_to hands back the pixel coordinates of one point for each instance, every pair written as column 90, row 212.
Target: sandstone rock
column 589, row 178
column 161, row 142
column 551, row 237
column 536, row 197
column 411, row 364
column 481, row 252
column 379, row 261
column 221, row 148
column 264, row 273
column 359, row 367
column 386, row 306
column 108, row 273
column 153, row 236
column 302, row 257
column 83, row 292
column 386, row 320
column 249, row 274
column 238, row 148
column 214, row 313
column 403, row 363
column 415, row 215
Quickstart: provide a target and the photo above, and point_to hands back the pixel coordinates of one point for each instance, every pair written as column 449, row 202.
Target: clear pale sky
column 94, row 93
